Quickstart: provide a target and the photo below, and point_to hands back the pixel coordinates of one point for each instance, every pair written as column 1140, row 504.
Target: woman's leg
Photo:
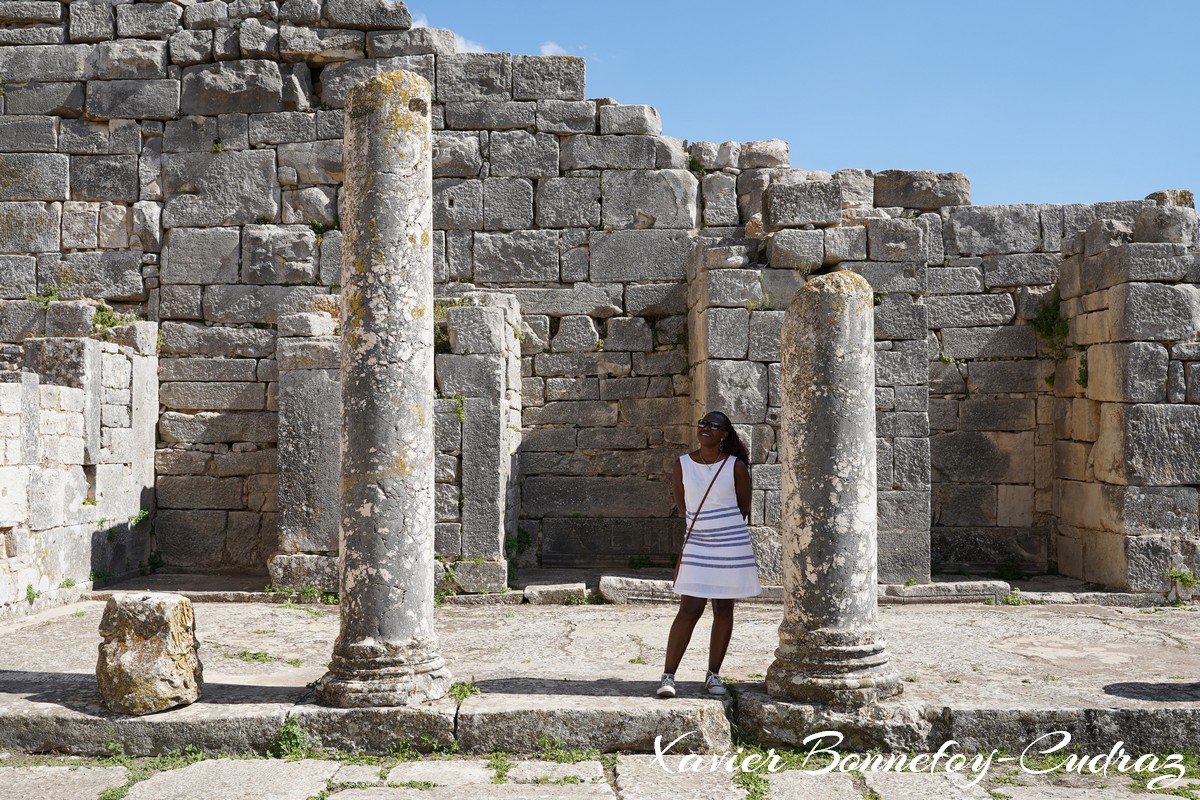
column 690, row 609
column 722, row 630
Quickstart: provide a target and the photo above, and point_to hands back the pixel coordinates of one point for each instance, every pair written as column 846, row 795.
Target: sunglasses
column 716, row 426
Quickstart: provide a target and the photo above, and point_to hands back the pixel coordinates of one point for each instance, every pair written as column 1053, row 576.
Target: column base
column 368, row 684
column 837, row 675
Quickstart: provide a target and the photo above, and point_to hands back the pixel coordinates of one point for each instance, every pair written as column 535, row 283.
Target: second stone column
column 387, row 653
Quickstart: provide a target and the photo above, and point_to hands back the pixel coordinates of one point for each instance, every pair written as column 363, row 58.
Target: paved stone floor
column 258, row 658
column 623, row 777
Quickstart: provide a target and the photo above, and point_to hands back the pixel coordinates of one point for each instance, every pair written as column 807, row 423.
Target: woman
column 717, row 562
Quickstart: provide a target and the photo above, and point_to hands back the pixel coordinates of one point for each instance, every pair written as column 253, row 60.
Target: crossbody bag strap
column 699, row 508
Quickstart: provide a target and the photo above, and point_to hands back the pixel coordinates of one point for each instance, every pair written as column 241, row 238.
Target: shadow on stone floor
column 77, row 692
column 1155, row 692
column 604, row 687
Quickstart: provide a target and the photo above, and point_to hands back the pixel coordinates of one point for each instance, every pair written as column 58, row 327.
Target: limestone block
column 304, row 569
column 1133, row 263
column 1153, row 311
column 1027, row 269
column 213, row 427
column 112, row 178
column 517, row 257
column 279, row 254
column 131, row 59
column 737, row 388
column 1176, row 224
column 600, row 300
column 970, row 310
column 798, row 249
column 845, row 244
column 655, row 299
column 548, row 78
column 524, row 154
column 456, row 154
column 28, row 134
column 477, row 329
column 29, row 176
column 113, row 226
column 146, row 226
column 764, row 153
column 111, row 275
column 628, row 334
column 457, row 204
column 474, row 76
column 413, row 42
column 69, row 62
column 982, row 457
column 989, row 342
column 191, row 47
column 338, row 79
column 258, row 39
column 309, row 408
column 18, row 277
column 584, row 151
column 921, row 189
column 575, row 364
column 765, row 330
column 992, row 230
column 79, row 137
column 566, row 116
column 996, row 414
column 206, row 15
column 729, row 288
column 895, row 240
column 150, row 170
column 568, row 202
column 262, row 304
column 720, row 199
column 793, row 205
column 314, row 162
column 897, row 316
column 649, row 198
column 21, row 319
column 1145, row 444
column 368, row 14
column 203, row 255
column 1103, row 234
column 90, row 21
column 1141, row 510
column 494, row 116
column 231, row 188
column 1127, row 373
column 213, row 396
column 321, row 45
column 722, row 333
column 1001, row 377
column 59, row 99
column 148, row 657
column 631, row 255
column 507, row 204
column 331, row 256
column 133, row 99
column 630, row 119
column 1177, row 384
column 245, row 86
column 319, row 353
column 576, row 334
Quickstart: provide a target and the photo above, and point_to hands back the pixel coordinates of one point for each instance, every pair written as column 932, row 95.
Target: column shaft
column 830, row 650
column 387, row 652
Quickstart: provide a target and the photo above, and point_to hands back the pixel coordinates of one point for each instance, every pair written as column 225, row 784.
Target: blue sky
column 1055, row 101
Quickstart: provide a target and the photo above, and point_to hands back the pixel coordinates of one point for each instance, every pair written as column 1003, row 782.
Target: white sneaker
column 712, row 682
column 667, row 687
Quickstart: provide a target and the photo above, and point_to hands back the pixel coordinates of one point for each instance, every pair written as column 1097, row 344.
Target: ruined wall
column 77, row 419
column 184, row 160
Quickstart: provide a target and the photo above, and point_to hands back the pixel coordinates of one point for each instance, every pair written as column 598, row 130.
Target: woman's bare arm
column 741, row 485
column 677, row 489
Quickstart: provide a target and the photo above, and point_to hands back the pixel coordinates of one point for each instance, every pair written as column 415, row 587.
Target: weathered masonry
column 599, row 285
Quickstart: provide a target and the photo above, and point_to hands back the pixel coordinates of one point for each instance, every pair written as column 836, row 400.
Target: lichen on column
column 830, row 648
column 387, row 651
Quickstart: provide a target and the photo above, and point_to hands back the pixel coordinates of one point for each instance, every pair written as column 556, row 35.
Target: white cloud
column 464, row 45
column 553, row 49
column 468, row 46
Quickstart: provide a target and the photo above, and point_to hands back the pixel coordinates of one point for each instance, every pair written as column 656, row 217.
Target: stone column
column 387, row 652
column 830, row 650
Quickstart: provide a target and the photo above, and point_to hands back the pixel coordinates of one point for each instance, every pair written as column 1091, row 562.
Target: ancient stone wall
column 77, row 420
column 184, row 160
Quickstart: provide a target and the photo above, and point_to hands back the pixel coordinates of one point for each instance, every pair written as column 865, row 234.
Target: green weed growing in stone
column 461, row 690
column 599, row 345
column 911, row 582
column 31, row 593
column 105, row 318
column 255, row 657
column 79, row 614
column 460, row 407
column 139, row 517
column 637, row 660
column 100, row 576
column 551, row 749
column 1014, row 598
column 291, row 741
column 293, row 662
column 309, row 593
column 264, row 631
column 1051, row 325
column 217, row 148
column 575, row 599
column 89, row 502
column 1183, row 577
column 46, row 298
column 67, row 583
column 1081, row 377
column 501, row 764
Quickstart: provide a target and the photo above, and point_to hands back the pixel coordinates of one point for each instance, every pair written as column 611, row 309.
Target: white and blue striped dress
column 718, row 559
